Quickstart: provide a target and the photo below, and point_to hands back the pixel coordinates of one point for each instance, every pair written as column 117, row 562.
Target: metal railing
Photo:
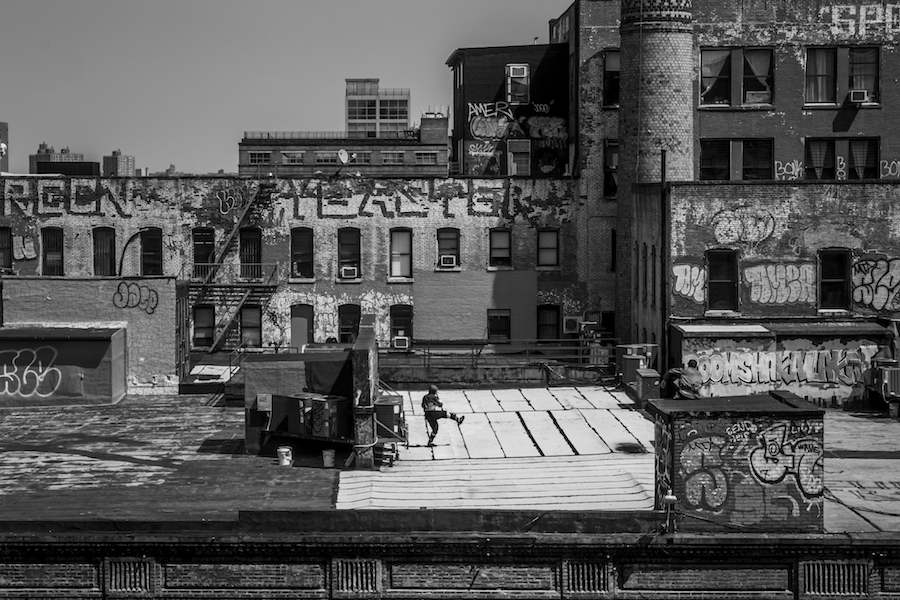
column 404, row 134
column 231, row 273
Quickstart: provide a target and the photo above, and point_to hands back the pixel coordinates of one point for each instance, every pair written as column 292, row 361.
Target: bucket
column 328, row 458
column 285, row 457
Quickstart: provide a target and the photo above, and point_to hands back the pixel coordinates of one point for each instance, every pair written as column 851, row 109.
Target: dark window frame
column 152, row 260
column 350, row 249
column 104, row 251
column 722, row 280
column 203, row 240
column 405, row 258
column 500, row 251
column 835, row 273
column 53, row 255
column 251, row 328
column 303, row 252
column 543, row 234
column 205, row 310
column 250, row 251
column 448, row 244
column 499, row 325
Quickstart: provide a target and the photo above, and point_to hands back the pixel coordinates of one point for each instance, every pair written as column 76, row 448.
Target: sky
column 177, row 82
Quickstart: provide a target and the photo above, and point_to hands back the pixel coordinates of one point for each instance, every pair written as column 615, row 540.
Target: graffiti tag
column 782, row 284
column 690, row 282
column 490, row 109
column 746, row 225
column 547, row 128
column 788, row 171
column 890, row 169
column 705, row 483
column 27, row 373
column 860, row 19
column 876, row 282
column 133, row 295
column 229, row 200
column 777, row 457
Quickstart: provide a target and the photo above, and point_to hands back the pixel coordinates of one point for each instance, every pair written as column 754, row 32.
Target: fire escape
column 231, row 286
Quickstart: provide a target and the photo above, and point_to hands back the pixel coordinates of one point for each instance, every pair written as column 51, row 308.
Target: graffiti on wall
column 29, row 373
column 493, row 121
column 549, row 131
column 782, row 283
column 754, row 471
column 862, row 19
column 790, row 171
column 23, row 247
column 876, row 282
column 231, row 199
column 135, row 295
column 690, row 282
column 746, row 225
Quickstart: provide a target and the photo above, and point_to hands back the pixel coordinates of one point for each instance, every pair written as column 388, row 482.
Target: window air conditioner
column 349, row 272
column 572, row 323
column 401, row 342
column 859, row 96
column 447, row 261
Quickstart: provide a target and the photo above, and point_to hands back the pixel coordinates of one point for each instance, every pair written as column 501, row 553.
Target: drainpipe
column 663, row 363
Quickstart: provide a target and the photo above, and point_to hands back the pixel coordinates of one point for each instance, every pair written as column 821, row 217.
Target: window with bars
column 500, row 253
column 548, row 248
column 834, row 279
column 104, row 251
column 611, row 78
column 251, row 253
column 401, row 252
column 151, row 252
column 52, row 251
column 251, row 326
column 204, row 238
column 518, row 84
column 548, row 319
column 499, row 324
column 736, row 76
column 722, row 279
column 6, row 252
column 611, row 169
column 302, row 264
column 204, row 324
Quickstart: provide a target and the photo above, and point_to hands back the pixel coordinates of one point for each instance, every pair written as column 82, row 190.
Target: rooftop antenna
column 344, row 158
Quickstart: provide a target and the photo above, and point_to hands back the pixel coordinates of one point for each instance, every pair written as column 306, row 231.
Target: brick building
column 118, row 165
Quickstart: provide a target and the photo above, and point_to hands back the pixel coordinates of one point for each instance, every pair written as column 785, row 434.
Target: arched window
column 251, row 253
column 52, row 251
column 204, row 251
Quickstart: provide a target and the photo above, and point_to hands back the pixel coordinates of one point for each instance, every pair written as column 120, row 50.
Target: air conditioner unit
column 349, row 272
column 446, row 261
column 890, row 382
column 572, row 323
column 859, row 96
column 401, row 342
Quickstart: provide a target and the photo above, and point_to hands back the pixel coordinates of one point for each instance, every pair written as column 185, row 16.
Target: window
column 203, row 251
column 519, row 157
column 834, row 279
column 819, row 159
column 821, row 75
column 361, row 158
column 292, row 158
column 251, row 326
column 52, row 251
column 104, row 251
column 500, row 254
column 863, row 159
column 864, row 71
column 611, row 169
column 302, row 325
column 498, row 324
column 260, row 158
column 302, row 252
column 722, row 277
column 392, row 158
column 204, row 325
column 548, row 248
column 715, row 160
column 360, row 110
column 326, row 158
column 448, row 247
column 401, row 253
column 395, row 131
column 393, row 110
column 426, row 158
column 757, row 161
column 518, row 84
column 361, row 130
column 349, row 262
column 151, row 252
column 548, row 322
column 348, row 323
column 6, row 254
column 755, row 85
column 611, row 78
column 401, row 321
column 251, row 253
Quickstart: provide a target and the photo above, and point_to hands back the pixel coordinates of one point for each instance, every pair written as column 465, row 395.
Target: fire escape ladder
column 230, row 316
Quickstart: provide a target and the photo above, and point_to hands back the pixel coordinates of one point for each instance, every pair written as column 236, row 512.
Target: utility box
column 748, row 463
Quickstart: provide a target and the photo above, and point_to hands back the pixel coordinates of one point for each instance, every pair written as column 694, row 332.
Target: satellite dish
column 343, row 156
column 2, row 148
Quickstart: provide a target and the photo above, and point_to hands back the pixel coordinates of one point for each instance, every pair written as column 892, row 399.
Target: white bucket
column 328, row 458
column 285, row 456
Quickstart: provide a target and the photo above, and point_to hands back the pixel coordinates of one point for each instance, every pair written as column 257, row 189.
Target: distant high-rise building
column 373, row 112
column 47, row 154
column 118, row 165
column 4, row 150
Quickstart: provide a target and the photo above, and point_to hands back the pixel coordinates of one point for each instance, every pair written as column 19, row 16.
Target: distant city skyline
column 177, row 83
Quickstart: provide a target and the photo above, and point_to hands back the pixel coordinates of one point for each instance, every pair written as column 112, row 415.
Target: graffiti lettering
column 29, row 373
column 482, row 149
column 229, row 200
column 541, row 108
column 782, row 284
column 690, row 282
column 746, row 225
column 133, row 295
column 788, row 171
column 833, row 366
column 862, row 19
column 489, row 127
column 777, row 457
column 23, row 247
column 705, row 483
column 876, row 282
column 553, row 128
column 490, row 109
column 841, row 170
column 741, row 431
column 890, row 169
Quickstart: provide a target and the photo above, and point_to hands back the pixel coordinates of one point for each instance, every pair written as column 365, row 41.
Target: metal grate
column 356, row 575
column 586, row 577
column 129, row 576
column 836, row 578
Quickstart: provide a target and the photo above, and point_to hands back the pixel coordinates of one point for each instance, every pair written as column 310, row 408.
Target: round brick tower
column 656, row 113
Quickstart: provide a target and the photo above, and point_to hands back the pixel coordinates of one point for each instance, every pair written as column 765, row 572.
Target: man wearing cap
column 434, row 410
